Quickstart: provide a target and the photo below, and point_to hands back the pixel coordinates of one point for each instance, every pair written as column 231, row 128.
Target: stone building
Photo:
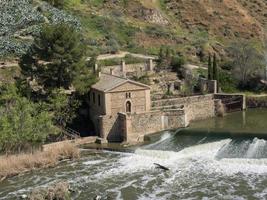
column 112, row 95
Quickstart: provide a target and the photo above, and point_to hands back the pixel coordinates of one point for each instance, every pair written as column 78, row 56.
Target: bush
column 227, row 82
column 176, row 63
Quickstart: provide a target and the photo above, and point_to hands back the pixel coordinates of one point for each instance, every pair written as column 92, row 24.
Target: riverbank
column 50, row 156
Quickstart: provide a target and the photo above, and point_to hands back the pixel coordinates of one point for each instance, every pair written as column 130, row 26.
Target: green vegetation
column 227, row 82
column 142, row 79
column 129, row 59
column 54, row 79
column 57, row 59
column 23, row 124
column 247, row 65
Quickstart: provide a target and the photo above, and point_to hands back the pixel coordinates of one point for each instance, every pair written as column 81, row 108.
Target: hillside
column 190, row 27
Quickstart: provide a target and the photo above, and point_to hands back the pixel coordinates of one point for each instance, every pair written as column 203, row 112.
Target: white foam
column 255, row 148
column 93, row 162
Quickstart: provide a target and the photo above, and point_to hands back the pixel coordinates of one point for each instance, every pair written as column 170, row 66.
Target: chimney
column 111, row 71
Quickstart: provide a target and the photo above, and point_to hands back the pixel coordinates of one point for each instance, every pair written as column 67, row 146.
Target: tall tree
column 210, row 71
column 215, row 68
column 57, row 58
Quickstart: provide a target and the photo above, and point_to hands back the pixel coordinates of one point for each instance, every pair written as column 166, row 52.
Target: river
column 200, row 166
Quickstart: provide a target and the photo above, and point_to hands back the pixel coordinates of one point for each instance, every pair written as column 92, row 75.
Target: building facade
column 111, row 96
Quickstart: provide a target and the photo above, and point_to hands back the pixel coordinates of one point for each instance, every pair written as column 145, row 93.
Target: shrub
column 227, row 82
column 23, row 124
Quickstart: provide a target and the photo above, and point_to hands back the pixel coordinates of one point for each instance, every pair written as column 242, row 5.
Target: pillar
column 150, row 65
column 123, row 66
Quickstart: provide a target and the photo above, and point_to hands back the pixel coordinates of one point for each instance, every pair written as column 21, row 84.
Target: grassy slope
column 139, row 25
column 192, row 24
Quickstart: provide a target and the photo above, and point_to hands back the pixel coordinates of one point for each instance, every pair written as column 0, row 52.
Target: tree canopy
column 23, row 124
column 57, row 59
column 247, row 61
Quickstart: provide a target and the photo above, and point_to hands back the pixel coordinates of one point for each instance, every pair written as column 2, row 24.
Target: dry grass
column 16, row 164
column 56, row 191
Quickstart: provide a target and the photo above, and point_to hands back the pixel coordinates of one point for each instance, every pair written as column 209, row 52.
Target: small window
column 93, row 97
column 128, row 95
column 99, row 100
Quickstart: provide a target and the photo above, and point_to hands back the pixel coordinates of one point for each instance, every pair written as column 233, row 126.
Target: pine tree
column 210, row 71
column 57, row 59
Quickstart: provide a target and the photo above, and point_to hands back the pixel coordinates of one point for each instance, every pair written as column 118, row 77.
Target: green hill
column 188, row 26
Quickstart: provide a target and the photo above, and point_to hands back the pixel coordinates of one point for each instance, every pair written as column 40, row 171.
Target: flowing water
column 200, row 167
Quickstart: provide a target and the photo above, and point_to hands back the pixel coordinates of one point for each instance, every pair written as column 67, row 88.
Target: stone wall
column 113, row 128
column 175, row 118
column 182, row 100
column 133, row 127
column 196, row 107
column 142, row 124
column 200, row 110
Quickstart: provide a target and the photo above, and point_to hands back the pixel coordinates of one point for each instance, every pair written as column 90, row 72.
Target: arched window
column 128, row 107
